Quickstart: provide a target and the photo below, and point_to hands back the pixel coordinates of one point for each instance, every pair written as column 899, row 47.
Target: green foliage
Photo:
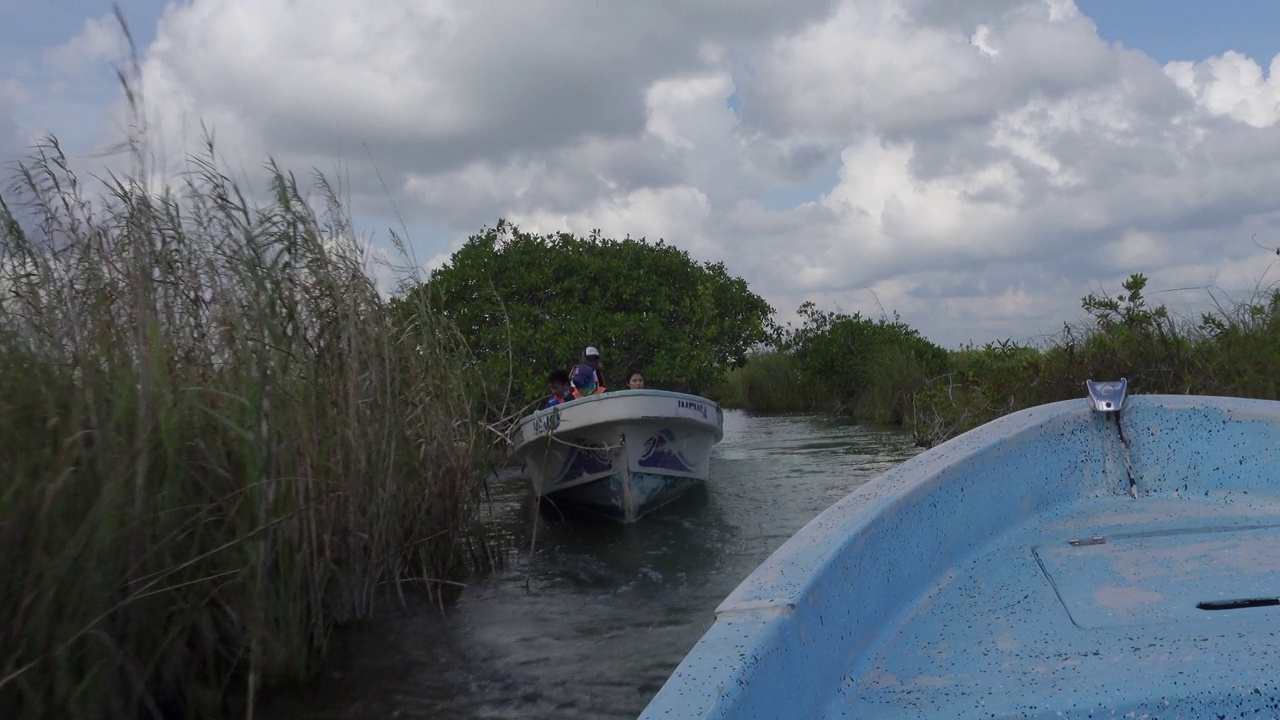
column 527, row 304
column 215, row 444
column 870, row 367
column 1130, row 339
column 772, row 382
column 986, row 382
column 1243, row 343
column 884, row 371
column 1233, row 352
column 894, row 373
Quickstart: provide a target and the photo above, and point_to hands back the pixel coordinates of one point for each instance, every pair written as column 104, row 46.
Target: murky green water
column 610, row 610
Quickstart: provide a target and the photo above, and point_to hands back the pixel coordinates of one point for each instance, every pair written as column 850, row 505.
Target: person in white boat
column 560, row 389
column 635, row 380
column 586, row 378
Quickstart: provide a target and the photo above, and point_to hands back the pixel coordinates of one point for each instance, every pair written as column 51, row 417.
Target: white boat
column 1082, row 559
column 620, row 454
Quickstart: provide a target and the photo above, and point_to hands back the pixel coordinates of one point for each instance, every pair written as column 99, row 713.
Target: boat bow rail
column 798, row 638
column 614, row 408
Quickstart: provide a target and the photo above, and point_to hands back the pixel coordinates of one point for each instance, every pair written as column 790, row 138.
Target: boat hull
column 1010, row 572
column 621, row 454
column 623, row 496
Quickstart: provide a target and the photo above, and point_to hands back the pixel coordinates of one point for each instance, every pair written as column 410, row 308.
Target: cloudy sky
column 974, row 165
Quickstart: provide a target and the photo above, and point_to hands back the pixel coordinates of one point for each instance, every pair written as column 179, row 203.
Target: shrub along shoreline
column 884, row 372
column 216, row 441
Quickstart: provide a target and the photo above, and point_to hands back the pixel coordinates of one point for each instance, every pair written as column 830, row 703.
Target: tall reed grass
column 772, row 382
column 216, row 442
column 1233, row 351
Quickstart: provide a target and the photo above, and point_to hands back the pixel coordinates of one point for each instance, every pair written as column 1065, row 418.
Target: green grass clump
column 216, row 443
column 1233, row 352
column 772, row 382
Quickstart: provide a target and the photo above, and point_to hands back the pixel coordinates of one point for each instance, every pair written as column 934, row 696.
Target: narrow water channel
column 609, row 610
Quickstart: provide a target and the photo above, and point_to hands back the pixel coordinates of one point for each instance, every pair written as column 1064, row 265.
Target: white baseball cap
column 591, row 352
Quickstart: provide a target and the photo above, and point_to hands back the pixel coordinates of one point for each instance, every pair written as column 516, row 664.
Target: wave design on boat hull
column 659, row 453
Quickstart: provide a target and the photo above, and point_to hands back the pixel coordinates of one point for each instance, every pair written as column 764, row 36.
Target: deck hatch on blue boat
column 1163, row 576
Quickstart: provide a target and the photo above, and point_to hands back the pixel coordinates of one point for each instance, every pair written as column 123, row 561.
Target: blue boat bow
column 1070, row 560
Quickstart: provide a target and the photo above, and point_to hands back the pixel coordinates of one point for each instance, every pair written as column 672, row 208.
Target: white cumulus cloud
column 976, row 167
column 1232, row 85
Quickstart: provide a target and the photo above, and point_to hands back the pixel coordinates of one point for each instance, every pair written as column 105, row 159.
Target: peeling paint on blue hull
column 1008, row 573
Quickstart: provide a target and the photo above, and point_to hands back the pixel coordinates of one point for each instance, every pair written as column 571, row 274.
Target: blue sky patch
column 1170, row 30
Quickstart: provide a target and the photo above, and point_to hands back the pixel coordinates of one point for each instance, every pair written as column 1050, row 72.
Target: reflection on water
column 609, row 610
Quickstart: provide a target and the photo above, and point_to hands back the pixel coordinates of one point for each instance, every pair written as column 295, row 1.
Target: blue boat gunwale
column 855, row 512
column 773, row 610
column 903, row 483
